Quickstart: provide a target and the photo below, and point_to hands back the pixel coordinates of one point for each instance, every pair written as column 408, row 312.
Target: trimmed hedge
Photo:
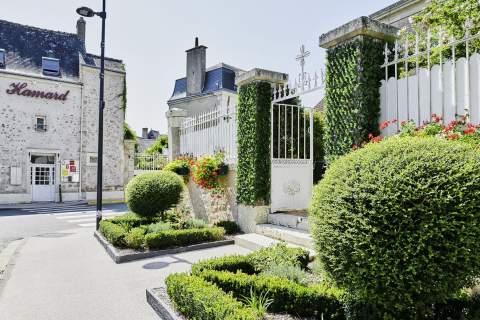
column 229, row 263
column 231, row 227
column 150, row 194
column 197, row 299
column 131, row 220
column 264, row 258
column 114, row 234
column 135, row 238
column 287, row 295
column 176, row 238
column 253, row 169
column 396, row 223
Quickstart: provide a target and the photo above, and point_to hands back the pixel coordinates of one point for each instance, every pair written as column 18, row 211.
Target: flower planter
column 183, row 171
column 223, row 170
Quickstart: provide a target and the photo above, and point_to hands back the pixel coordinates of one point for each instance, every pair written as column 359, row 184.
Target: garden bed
column 130, row 237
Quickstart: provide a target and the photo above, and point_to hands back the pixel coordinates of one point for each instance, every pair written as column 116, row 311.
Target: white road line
column 72, row 213
column 60, row 209
column 87, row 224
column 84, row 219
column 89, row 214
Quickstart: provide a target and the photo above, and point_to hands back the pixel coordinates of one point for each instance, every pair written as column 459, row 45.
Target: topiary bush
column 150, row 194
column 396, row 223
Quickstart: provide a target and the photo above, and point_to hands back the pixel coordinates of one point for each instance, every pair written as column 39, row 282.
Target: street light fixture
column 87, row 12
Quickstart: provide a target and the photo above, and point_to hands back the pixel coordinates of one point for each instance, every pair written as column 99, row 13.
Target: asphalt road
column 43, row 219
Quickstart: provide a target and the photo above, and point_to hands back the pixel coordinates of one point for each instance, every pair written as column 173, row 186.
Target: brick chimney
column 196, row 67
column 81, row 28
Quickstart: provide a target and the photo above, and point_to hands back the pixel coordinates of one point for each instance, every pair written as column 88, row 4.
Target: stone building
column 49, row 93
column 200, row 90
column 398, row 14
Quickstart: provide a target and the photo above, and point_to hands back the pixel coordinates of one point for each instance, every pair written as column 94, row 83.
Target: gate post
column 253, row 135
column 353, row 79
column 175, row 118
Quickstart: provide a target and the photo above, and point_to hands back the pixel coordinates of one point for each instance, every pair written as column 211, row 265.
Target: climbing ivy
column 352, row 95
column 253, row 171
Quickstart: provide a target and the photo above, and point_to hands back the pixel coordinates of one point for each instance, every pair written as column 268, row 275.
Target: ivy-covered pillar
column 353, row 79
column 253, row 136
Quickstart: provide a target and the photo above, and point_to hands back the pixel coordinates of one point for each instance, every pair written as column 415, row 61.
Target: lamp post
column 87, row 12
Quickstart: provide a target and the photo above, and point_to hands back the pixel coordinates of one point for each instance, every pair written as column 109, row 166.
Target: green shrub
column 231, row 227
column 135, row 238
column 197, row 299
column 131, row 220
column 114, row 234
column 396, row 223
column 229, row 263
column 159, row 227
column 287, row 295
column 287, row 271
column 264, row 258
column 180, row 165
column 174, row 238
column 150, row 194
column 195, row 224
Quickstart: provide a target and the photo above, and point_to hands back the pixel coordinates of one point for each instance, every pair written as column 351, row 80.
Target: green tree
column 158, row 145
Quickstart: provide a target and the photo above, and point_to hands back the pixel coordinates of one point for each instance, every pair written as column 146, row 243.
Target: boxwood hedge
column 397, row 223
column 178, row 238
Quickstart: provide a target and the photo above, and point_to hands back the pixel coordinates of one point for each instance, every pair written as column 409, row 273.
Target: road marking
column 87, row 214
column 87, row 224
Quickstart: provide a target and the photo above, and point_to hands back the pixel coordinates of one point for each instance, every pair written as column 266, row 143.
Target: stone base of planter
column 160, row 302
column 126, row 255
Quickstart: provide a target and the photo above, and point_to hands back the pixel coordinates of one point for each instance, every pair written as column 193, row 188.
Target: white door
column 43, row 182
column 292, row 157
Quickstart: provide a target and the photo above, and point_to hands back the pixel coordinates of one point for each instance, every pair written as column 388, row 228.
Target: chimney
column 81, row 28
column 145, row 133
column 196, row 66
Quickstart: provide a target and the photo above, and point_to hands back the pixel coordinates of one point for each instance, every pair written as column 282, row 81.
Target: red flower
column 384, row 125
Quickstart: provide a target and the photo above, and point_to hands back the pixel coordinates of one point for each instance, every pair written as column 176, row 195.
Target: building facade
column 399, row 13
column 49, row 93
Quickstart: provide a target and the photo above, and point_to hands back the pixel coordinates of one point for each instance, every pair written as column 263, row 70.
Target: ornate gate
column 292, row 143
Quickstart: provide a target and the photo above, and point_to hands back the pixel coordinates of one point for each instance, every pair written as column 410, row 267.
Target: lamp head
column 85, row 12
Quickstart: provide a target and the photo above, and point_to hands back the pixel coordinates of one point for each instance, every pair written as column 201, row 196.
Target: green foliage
column 265, row 258
column 352, row 96
column 253, row 170
column 287, row 295
column 194, row 224
column 259, row 302
column 159, row 227
column 158, row 146
column 318, row 145
column 128, row 133
column 132, row 220
column 287, row 271
column 179, row 165
column 135, row 238
column 205, row 172
column 231, row 227
column 396, row 222
column 152, row 193
column 177, row 238
column 114, row 233
column 232, row 263
column 197, row 299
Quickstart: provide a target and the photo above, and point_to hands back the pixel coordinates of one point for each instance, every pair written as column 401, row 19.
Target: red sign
column 22, row 89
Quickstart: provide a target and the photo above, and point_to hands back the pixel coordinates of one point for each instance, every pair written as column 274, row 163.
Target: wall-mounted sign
column 22, row 89
column 69, row 171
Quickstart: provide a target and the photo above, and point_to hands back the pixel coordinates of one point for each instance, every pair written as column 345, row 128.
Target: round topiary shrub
column 150, row 194
column 397, row 223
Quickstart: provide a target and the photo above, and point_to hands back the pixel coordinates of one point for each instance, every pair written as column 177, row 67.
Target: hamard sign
column 22, row 89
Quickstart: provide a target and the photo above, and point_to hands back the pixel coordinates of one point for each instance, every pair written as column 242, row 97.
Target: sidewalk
column 68, row 275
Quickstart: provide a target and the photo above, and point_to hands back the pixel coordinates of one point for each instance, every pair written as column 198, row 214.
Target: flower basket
column 183, row 171
column 222, row 170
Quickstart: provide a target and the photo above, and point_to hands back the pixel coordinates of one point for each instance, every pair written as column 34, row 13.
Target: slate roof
column 215, row 79
column 25, row 46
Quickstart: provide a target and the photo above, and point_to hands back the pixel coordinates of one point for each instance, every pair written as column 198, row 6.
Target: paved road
column 49, row 218
column 61, row 272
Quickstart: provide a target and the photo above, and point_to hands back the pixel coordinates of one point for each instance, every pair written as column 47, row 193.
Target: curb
column 126, row 255
column 94, row 202
column 162, row 308
column 6, row 256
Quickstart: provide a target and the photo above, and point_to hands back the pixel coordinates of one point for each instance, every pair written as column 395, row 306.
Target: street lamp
column 87, row 12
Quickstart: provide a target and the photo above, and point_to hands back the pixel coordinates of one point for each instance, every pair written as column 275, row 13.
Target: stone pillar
column 129, row 156
column 353, row 79
column 254, row 160
column 175, row 118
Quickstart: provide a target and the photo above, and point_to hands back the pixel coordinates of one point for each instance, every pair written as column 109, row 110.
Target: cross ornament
column 301, row 58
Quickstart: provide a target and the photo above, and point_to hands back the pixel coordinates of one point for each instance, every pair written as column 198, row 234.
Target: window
column 3, row 56
column 15, row 176
column 92, row 159
column 40, row 124
column 51, row 66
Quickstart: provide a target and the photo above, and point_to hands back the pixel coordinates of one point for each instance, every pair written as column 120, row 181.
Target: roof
column 110, row 63
column 217, row 79
column 397, row 5
column 25, row 46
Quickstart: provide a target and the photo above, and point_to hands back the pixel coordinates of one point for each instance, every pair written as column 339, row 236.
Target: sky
column 151, row 37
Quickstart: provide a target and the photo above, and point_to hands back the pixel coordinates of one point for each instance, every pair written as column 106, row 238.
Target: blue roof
column 215, row 80
column 25, row 46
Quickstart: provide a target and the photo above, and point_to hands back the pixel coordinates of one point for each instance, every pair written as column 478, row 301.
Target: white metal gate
column 292, row 157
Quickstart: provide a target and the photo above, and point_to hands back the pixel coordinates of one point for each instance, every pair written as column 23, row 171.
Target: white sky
column 151, row 37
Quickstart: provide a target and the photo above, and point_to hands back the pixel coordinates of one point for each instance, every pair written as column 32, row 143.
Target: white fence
column 145, row 162
column 451, row 88
column 210, row 132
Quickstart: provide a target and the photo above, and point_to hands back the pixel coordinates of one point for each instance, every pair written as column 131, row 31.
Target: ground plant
column 395, row 224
